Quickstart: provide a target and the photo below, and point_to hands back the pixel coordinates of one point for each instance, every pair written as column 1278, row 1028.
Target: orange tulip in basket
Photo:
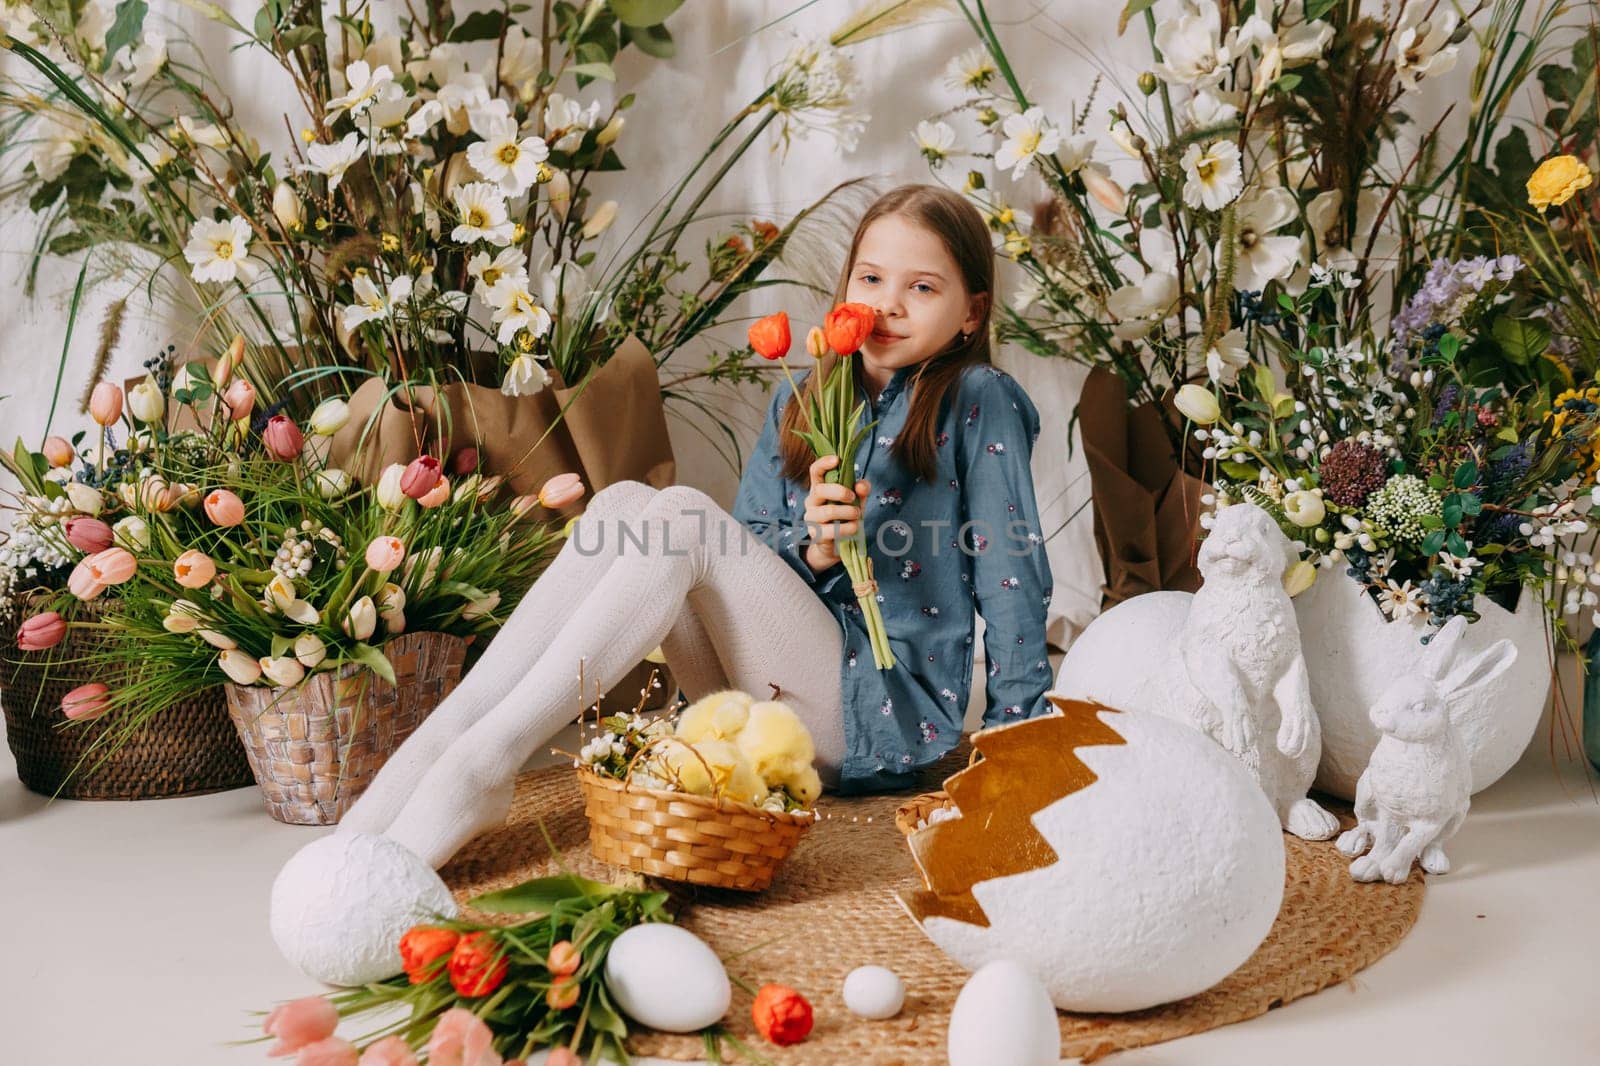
column 721, row 801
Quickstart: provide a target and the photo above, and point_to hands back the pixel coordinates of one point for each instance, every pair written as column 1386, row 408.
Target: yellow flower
column 1556, row 180
column 308, row 134
column 391, row 243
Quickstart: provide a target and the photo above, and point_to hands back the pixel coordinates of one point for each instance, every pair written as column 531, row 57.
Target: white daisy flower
column 365, row 83
column 332, row 160
column 1028, row 135
column 459, row 97
column 216, row 250
column 970, row 71
column 516, row 310
column 934, row 141
column 373, row 303
column 1215, row 178
column 509, row 263
column 566, row 121
column 481, row 211
column 1401, row 600
column 1259, row 257
column 506, row 157
column 1191, row 46
column 524, row 377
column 1459, row 565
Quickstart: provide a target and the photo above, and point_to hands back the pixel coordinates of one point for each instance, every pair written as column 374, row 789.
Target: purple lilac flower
column 1505, row 473
column 1445, row 293
column 1449, row 396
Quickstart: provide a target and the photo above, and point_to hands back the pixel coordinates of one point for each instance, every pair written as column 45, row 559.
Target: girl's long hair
column 959, row 225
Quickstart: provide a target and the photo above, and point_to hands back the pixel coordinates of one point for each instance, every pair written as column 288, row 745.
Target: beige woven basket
column 704, row 840
column 316, row 747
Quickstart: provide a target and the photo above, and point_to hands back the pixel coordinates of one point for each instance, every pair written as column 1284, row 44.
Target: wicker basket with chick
column 719, row 798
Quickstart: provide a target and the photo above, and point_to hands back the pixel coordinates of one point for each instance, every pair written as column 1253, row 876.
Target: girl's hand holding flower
column 832, row 511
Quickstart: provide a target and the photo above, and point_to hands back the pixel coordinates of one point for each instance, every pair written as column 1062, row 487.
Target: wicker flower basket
column 703, row 840
column 316, row 747
column 186, row 750
column 914, row 813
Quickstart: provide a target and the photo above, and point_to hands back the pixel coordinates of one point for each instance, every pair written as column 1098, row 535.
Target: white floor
column 136, row 934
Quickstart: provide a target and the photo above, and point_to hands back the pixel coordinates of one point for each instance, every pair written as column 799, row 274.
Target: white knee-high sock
column 544, row 610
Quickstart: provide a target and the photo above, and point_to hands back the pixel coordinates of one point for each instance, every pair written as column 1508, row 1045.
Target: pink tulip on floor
column 461, row 1039
column 561, row 490
column 334, row 1051
column 390, row 1051
column 300, row 1022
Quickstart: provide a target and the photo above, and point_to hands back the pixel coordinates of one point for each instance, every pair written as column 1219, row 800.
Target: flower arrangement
column 244, row 558
column 487, row 993
column 832, row 426
column 725, row 744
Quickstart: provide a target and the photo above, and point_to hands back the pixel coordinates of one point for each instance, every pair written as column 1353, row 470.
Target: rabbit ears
column 1440, row 663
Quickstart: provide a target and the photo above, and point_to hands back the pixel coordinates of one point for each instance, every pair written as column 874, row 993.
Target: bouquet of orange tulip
column 832, row 425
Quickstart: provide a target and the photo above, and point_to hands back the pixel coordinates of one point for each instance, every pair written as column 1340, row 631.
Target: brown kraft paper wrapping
column 1146, row 509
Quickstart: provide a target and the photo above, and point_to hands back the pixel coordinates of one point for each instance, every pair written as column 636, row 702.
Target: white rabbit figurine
column 1417, row 787
column 1225, row 660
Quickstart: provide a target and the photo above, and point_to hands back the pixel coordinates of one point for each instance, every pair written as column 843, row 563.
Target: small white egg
column 667, row 978
column 1004, row 1017
column 874, row 992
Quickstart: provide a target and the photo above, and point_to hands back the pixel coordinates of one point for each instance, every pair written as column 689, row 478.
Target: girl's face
column 905, row 272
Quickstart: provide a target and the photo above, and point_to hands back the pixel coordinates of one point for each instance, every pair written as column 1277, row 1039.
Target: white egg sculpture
column 1123, row 859
column 1003, row 1017
column 874, row 992
column 341, row 904
column 667, row 978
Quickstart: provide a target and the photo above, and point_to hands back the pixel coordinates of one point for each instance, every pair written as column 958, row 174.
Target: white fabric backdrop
column 1057, row 47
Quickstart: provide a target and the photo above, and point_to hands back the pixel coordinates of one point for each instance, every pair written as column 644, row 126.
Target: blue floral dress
column 969, row 542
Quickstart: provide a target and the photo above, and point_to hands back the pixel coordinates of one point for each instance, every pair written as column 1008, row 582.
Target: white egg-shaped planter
column 1123, row 859
column 1353, row 652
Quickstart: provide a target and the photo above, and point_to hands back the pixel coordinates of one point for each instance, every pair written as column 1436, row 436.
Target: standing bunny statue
column 1224, row 660
column 1417, row 787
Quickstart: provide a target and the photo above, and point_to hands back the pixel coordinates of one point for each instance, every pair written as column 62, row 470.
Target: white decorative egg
column 341, row 904
column 1003, row 1017
column 874, row 992
column 667, row 978
column 1123, row 859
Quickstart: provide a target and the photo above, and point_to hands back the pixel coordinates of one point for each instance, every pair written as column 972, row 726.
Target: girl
column 947, row 504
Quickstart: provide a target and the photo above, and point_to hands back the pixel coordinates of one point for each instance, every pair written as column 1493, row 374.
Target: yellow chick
column 805, row 786
column 729, row 770
column 719, row 716
column 776, row 742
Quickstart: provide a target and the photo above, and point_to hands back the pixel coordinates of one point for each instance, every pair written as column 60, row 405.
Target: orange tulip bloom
column 770, row 336
column 848, row 326
column 782, row 1015
column 422, row 948
column 475, row 969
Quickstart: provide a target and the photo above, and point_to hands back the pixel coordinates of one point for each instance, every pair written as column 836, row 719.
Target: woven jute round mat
column 832, row 908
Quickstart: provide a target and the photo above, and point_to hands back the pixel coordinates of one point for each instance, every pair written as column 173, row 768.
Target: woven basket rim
column 720, row 805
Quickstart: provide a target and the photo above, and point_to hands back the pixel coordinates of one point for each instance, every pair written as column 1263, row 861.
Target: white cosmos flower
column 373, row 303
column 216, row 250
column 509, row 263
column 516, row 310
column 1191, row 46
column 1260, row 257
column 144, row 60
column 1401, row 600
column 934, row 141
column 1142, row 304
column 506, row 157
column 1422, row 46
column 1209, row 108
column 459, row 97
column 424, row 119
column 524, row 377
column 365, row 83
column 481, row 214
column 1226, row 357
column 565, row 121
column 1028, row 135
column 970, row 71
column 332, row 160
column 1215, row 178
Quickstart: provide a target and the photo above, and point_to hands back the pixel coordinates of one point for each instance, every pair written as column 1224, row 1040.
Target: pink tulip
column 112, row 566
column 420, row 477
column 464, row 462
column 194, row 569
column 105, row 403
column 385, row 553
column 561, row 490
column 461, row 1039
column 282, row 438
column 334, row 1051
column 42, row 631
column 58, row 452
column 562, row 1056
column 224, row 508
column 88, row 535
column 240, row 398
column 390, row 1051
column 300, row 1022
column 86, row 702
column 83, row 582
column 440, row 493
